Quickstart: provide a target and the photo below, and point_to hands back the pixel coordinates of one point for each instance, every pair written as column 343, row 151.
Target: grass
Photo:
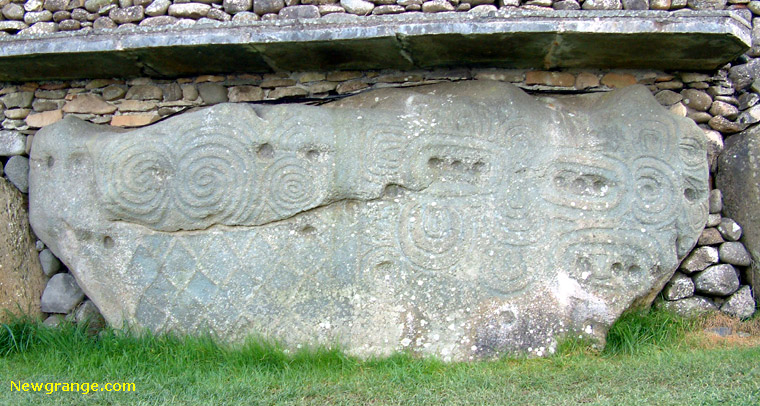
column 652, row 358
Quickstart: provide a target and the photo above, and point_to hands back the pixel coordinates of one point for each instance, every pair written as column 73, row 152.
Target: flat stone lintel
column 701, row 40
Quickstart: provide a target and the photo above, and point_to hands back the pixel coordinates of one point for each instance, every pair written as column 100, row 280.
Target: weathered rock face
column 21, row 278
column 739, row 179
column 462, row 220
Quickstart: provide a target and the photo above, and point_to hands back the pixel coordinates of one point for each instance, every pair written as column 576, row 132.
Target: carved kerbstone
column 461, row 220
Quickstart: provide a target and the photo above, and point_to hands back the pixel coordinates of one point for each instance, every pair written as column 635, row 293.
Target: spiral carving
column 214, row 179
column 654, row 188
column 292, row 186
column 135, row 180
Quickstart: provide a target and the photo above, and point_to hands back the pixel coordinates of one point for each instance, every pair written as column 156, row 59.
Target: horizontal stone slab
column 700, row 40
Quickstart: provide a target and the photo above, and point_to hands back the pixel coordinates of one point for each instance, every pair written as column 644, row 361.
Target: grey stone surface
column 18, row 100
column 88, row 313
column 602, row 5
column 21, row 279
column 358, row 7
column 680, row 286
column 189, row 10
column 729, row 229
column 262, row 7
column 299, row 12
column 212, row 93
column 717, row 280
column 706, row 4
column 713, row 220
column 13, row 11
column 384, row 221
column 61, row 294
column 710, row 236
column 158, row 8
column 734, row 253
column 716, row 201
column 699, row 259
column 127, row 15
column 12, row 143
column 50, row 264
column 17, row 171
column 741, row 304
column 508, row 39
column 236, row 6
column 689, row 307
column 739, row 179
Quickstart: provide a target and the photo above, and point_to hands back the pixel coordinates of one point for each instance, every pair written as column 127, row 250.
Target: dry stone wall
column 46, row 16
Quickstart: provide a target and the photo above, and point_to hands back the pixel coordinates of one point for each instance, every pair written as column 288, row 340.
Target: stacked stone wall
column 46, row 16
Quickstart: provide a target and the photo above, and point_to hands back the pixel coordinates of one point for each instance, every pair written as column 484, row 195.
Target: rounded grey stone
column 33, row 5
column 53, row 321
column 358, row 7
column 61, row 294
column 13, row 11
column 158, row 21
column 104, row 23
column 212, row 93
column 69, row 25
column 299, row 12
column 436, row 6
column 245, row 17
column 721, row 108
column 236, row 6
column 158, row 8
column 79, row 14
column 696, row 99
column 96, row 6
column 741, row 304
column 668, row 97
column 50, row 264
column 12, row 143
column 144, row 92
column 218, row 15
column 189, row 10
column 17, row 171
column 38, row 16
column 734, row 253
column 693, row 306
column 729, row 229
column 602, row 5
column 717, row 280
column 680, row 286
column 88, row 312
column 566, row 5
column 56, row 5
column 127, row 15
column 716, row 201
column 710, row 236
column 635, row 4
column 262, row 7
column 699, row 259
column 189, row 92
column 59, row 16
column 706, row 4
column 18, row 100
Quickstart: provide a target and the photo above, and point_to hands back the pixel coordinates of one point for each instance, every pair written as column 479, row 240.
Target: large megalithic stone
column 462, row 220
